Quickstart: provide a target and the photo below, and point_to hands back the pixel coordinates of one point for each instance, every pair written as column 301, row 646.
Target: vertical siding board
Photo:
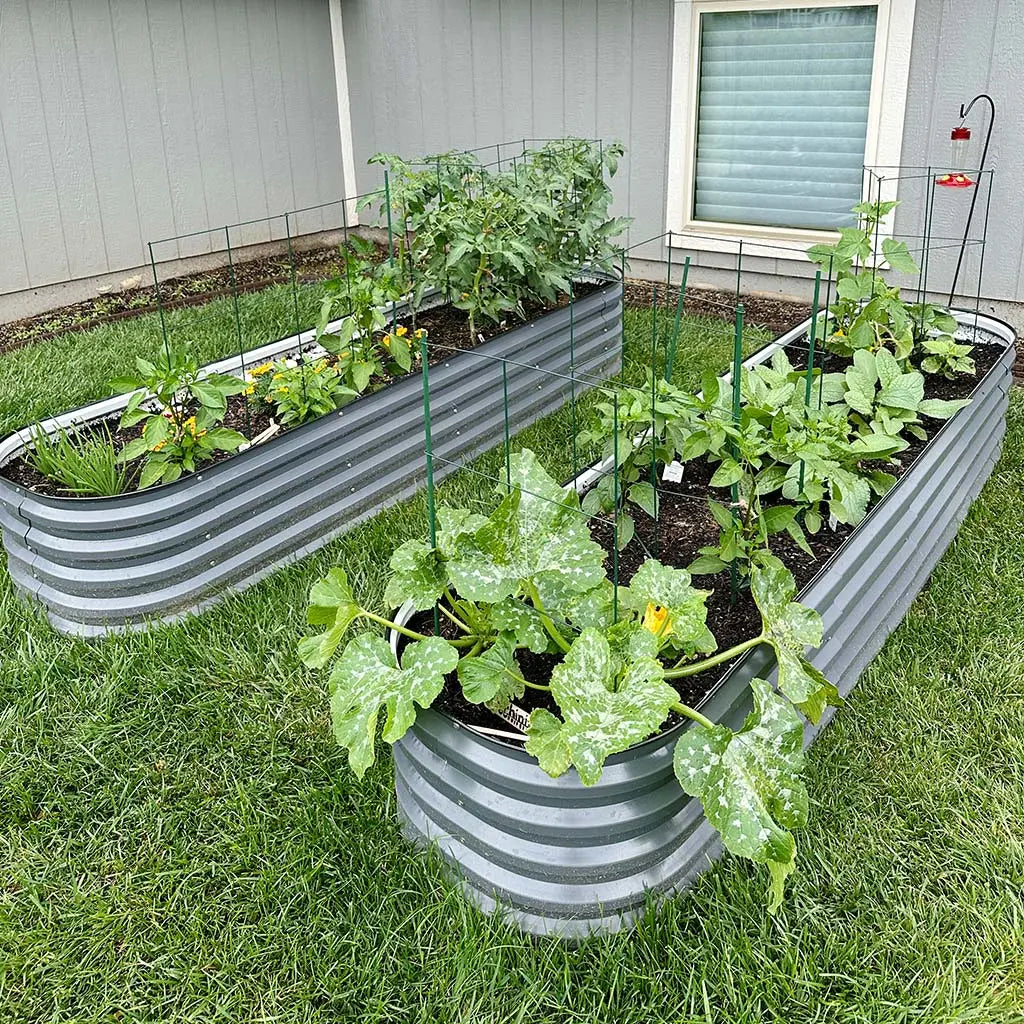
column 360, row 61
column 25, row 140
column 108, row 137
column 177, row 115
column 243, row 131
column 459, row 96
column 614, row 73
column 516, row 77
column 141, row 112
column 210, row 113
column 548, row 69
column 65, row 127
column 651, row 52
column 488, row 112
column 315, row 56
column 297, row 110
column 270, row 108
column 579, row 96
column 13, row 269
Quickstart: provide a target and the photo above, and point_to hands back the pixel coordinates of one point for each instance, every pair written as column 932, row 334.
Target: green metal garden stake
column 809, row 376
column 428, row 448
column 238, row 324
column 737, row 391
column 572, row 375
column 615, row 507
column 295, row 301
column 160, row 310
column 654, row 435
column 670, row 359
column 508, row 454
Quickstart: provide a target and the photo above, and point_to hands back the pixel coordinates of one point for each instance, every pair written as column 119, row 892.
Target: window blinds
column 782, row 115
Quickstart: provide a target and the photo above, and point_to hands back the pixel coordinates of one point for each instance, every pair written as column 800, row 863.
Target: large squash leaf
column 749, row 782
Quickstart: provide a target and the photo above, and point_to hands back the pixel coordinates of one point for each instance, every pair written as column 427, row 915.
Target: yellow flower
column 159, row 446
column 402, row 331
column 250, row 390
column 386, row 341
column 656, row 620
column 839, row 333
column 259, row 371
column 282, row 390
column 420, row 333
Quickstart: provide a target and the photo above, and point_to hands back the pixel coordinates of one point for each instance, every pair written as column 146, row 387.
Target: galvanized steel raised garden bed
column 104, row 564
column 567, row 860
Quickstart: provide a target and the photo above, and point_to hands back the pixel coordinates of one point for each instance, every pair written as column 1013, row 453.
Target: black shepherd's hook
column 964, row 111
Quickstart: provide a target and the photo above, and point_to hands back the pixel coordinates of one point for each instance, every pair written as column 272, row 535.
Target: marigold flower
column 402, row 331
column 259, row 371
column 420, row 332
column 656, row 620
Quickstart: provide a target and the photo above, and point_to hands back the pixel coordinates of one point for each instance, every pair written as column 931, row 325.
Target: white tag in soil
column 515, row 716
column 673, row 473
column 833, row 522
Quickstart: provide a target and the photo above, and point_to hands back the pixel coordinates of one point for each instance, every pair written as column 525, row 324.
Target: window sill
column 769, row 243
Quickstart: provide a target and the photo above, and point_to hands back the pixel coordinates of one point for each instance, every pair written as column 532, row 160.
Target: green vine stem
column 545, row 620
column 696, row 667
column 686, row 710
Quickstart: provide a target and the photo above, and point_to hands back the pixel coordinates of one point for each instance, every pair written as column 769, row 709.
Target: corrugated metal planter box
column 105, row 564
column 564, row 859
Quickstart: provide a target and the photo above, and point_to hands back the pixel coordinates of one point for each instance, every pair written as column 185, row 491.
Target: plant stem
column 696, row 667
column 411, row 633
column 684, row 709
column 526, row 682
column 545, row 621
column 454, row 618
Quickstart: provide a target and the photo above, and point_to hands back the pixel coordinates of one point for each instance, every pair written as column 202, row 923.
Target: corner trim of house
column 348, row 161
column 886, row 113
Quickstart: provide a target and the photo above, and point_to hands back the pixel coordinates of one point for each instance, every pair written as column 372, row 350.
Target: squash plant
column 528, row 577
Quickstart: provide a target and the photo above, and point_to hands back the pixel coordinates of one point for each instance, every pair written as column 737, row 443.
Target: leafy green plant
column 868, row 313
column 882, row 398
column 529, row 577
column 946, row 356
column 501, row 240
column 302, row 391
column 184, row 430
column 361, row 298
column 83, row 465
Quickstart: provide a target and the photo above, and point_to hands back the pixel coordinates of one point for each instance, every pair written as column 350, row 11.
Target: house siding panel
column 125, row 121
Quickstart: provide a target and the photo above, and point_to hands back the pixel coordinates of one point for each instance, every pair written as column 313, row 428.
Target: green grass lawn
column 181, row 840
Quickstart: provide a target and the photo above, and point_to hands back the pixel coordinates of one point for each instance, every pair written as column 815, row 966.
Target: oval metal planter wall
column 98, row 565
column 560, row 858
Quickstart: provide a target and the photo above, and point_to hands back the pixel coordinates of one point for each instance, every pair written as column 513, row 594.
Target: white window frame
column 890, row 73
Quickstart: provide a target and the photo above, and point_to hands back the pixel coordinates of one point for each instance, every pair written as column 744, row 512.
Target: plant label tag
column 833, row 523
column 673, row 473
column 516, row 717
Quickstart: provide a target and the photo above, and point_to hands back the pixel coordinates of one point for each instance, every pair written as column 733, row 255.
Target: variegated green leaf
column 601, row 716
column 749, row 782
column 537, row 535
column 523, row 622
column 331, row 604
column 418, row 575
column 491, row 677
column 790, row 628
column 368, row 677
column 665, row 587
column 546, row 741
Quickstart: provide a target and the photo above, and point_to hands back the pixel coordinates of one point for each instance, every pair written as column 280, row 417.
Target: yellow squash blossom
column 656, row 619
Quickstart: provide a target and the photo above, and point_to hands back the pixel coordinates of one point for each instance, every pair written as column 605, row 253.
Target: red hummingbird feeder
column 959, row 145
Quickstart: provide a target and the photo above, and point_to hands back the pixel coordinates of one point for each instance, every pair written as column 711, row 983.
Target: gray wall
column 124, row 121
column 469, row 74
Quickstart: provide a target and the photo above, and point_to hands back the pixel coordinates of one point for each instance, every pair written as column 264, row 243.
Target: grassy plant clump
column 83, row 466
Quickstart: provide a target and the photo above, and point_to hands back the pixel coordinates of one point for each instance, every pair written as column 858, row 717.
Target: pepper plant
column 528, row 577
column 184, row 431
column 361, row 298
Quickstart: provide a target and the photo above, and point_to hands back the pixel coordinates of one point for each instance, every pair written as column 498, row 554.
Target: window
column 777, row 105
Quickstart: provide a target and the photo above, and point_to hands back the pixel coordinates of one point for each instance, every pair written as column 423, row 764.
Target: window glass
column 782, row 115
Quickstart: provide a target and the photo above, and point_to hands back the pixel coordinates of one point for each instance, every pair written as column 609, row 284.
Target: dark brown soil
column 447, row 329
column 683, row 527
column 776, row 316
column 187, row 290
